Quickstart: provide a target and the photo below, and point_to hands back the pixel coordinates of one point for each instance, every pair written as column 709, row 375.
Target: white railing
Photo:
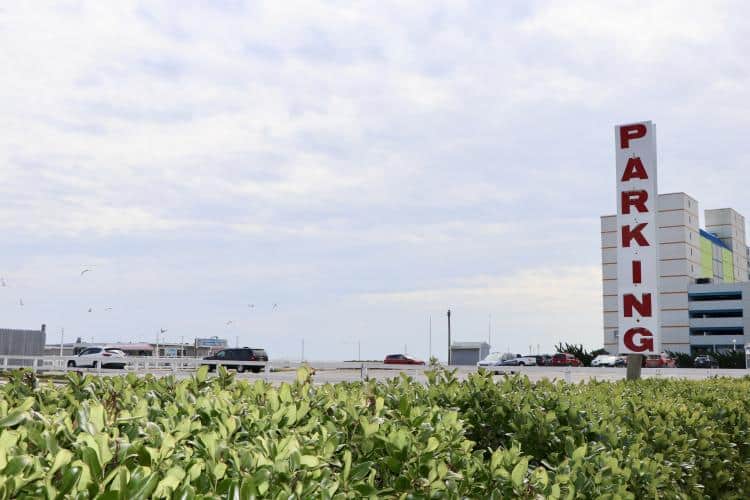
column 98, row 363
column 148, row 363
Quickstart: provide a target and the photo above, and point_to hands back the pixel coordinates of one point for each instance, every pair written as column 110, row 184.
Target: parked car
column 605, row 360
column 94, row 356
column 543, row 359
column 621, row 361
column 658, row 361
column 492, row 359
column 239, row 354
column 705, row 361
column 519, row 360
column 402, row 359
column 565, row 359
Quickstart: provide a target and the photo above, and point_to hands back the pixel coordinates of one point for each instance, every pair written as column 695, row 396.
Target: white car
column 494, row 359
column 604, row 360
column 527, row 360
column 94, row 356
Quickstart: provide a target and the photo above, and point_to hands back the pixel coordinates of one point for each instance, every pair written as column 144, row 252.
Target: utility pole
column 62, row 335
column 429, row 334
column 449, row 337
column 489, row 330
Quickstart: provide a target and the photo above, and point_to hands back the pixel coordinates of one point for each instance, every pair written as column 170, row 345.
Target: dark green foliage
column 681, row 359
column 727, row 359
column 579, row 352
column 730, row 359
column 214, row 437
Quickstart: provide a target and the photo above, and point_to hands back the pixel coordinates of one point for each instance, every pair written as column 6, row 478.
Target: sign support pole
column 634, row 366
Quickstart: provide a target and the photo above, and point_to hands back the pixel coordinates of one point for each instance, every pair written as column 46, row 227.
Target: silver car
column 494, row 359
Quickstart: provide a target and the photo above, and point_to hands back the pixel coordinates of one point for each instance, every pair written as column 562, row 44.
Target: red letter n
column 630, row 132
column 634, row 234
column 629, row 302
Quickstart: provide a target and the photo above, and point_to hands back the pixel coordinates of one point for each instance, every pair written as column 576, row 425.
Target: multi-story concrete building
column 687, row 255
column 718, row 321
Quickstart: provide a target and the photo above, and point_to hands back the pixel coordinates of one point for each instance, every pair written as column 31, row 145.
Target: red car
column 565, row 359
column 401, row 359
column 658, row 361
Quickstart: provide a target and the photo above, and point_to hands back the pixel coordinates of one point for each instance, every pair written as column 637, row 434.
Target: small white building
column 468, row 353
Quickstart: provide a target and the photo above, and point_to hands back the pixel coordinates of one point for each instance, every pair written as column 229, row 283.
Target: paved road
column 328, row 374
column 533, row 372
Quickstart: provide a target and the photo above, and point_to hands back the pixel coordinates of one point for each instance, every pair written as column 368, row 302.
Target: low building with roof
column 468, row 353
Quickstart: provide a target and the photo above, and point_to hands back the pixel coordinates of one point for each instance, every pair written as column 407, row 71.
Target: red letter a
column 634, row 170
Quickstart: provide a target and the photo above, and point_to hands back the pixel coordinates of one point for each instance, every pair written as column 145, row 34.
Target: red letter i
column 636, row 271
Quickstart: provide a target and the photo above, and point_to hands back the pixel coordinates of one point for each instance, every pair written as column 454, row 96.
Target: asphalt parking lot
column 328, row 373
column 535, row 373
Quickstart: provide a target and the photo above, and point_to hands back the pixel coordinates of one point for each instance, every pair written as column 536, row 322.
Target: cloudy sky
column 364, row 165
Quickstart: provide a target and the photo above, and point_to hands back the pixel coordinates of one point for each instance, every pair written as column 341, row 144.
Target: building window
column 724, row 313
column 704, row 296
column 703, row 332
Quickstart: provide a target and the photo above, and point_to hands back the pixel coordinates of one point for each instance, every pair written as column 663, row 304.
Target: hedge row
column 214, row 437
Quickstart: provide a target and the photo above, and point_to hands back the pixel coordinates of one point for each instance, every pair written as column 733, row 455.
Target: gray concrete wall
column 465, row 357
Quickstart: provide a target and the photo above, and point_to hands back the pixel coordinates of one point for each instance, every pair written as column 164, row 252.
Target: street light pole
column 449, row 337
column 429, row 334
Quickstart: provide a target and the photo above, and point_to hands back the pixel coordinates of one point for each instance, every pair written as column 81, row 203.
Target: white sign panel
column 637, row 240
column 211, row 342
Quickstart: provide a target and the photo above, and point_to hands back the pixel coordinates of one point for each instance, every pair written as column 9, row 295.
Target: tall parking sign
column 637, row 239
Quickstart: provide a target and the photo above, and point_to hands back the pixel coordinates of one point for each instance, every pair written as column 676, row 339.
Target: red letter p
column 630, row 132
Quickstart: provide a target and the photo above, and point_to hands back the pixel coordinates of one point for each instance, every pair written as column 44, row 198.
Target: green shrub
column 215, row 437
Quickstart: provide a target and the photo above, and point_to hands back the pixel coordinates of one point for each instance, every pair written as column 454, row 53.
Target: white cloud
column 345, row 148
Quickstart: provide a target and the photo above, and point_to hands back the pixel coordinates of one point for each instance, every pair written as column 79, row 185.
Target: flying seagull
column 275, row 306
column 91, row 310
column 107, row 308
column 251, row 306
column 2, row 282
column 85, row 271
column 229, row 322
column 20, row 302
column 162, row 330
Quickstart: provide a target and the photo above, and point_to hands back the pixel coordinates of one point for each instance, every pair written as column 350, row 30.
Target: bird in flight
column 229, row 322
column 275, row 306
column 2, row 282
column 85, row 271
column 251, row 306
column 20, row 302
column 163, row 330
column 91, row 309
column 107, row 308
